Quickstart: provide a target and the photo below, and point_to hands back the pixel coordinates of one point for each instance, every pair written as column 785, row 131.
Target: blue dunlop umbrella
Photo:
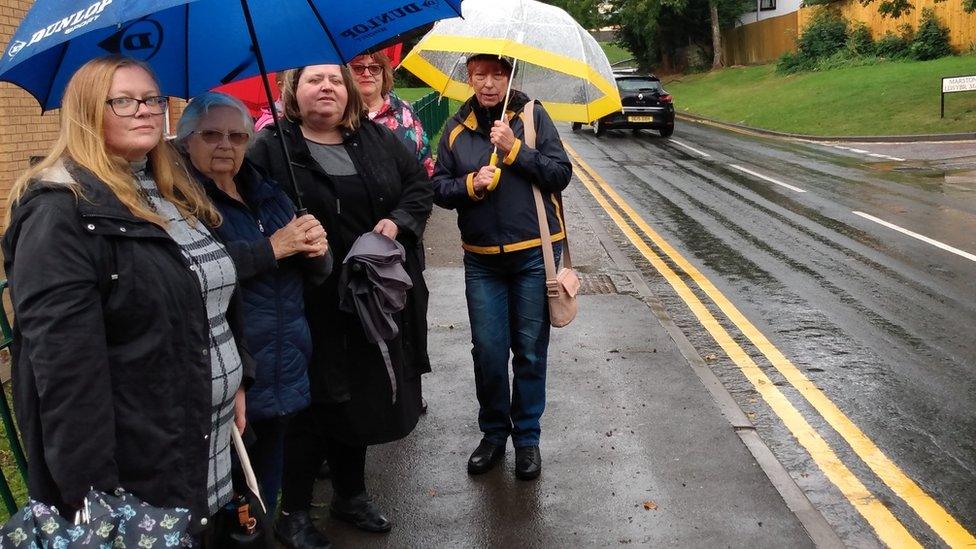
column 195, row 45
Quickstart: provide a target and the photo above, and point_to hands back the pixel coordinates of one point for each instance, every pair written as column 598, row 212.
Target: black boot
column 361, row 511
column 296, row 531
column 528, row 462
column 484, row 457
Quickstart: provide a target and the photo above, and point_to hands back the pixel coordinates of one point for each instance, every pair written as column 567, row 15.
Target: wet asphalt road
column 882, row 322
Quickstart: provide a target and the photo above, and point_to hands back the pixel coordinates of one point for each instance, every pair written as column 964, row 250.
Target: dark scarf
column 486, row 117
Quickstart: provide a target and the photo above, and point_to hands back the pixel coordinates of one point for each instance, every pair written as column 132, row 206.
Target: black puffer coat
column 111, row 365
column 347, row 372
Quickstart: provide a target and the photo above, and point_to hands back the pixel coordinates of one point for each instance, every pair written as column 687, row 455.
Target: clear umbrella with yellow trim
column 557, row 61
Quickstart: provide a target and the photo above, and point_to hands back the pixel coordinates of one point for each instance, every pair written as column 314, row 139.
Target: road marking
column 923, row 238
column 869, row 153
column 770, row 179
column 886, row 525
column 886, row 157
column 689, row 147
column 892, row 533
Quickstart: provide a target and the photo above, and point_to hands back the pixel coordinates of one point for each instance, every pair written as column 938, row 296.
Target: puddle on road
column 958, row 174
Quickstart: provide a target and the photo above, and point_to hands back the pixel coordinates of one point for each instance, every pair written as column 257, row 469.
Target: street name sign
column 952, row 84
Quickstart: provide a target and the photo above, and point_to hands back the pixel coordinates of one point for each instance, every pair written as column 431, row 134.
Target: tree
column 638, row 24
column 654, row 29
column 895, row 8
column 716, row 35
column 585, row 12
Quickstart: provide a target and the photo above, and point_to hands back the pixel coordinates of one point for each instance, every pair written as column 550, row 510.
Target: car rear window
column 638, row 84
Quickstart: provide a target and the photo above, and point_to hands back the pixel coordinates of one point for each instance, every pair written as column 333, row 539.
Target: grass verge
column 615, row 53
column 8, row 465
column 889, row 98
column 413, row 94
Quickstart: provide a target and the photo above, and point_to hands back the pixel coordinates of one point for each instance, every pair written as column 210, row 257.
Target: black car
column 646, row 105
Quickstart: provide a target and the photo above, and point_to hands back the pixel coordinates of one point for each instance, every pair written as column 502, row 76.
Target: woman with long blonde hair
column 126, row 369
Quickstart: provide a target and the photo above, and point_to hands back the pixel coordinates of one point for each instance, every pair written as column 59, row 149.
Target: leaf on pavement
column 650, row 505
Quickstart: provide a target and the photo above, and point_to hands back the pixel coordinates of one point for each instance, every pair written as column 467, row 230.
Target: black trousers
column 307, row 445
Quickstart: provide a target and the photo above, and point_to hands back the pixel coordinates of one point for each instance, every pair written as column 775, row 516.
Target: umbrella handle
column 508, row 92
column 497, row 175
column 494, row 152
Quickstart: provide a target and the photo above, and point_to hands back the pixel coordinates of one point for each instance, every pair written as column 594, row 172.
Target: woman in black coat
column 126, row 367
column 355, row 177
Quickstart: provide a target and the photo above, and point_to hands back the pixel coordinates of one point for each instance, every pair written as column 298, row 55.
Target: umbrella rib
column 186, row 51
column 325, row 27
column 54, row 76
column 586, row 90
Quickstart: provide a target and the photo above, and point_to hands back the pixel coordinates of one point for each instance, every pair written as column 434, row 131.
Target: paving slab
column 635, row 450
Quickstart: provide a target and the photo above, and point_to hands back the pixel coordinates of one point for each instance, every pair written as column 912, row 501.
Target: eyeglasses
column 129, row 106
column 213, row 137
column 374, row 70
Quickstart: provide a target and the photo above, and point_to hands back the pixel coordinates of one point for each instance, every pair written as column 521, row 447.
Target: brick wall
column 24, row 131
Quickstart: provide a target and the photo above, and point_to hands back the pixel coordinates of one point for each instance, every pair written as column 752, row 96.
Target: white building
column 766, row 9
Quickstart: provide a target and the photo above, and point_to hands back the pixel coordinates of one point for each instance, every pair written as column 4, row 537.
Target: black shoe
column 484, row 457
column 362, row 512
column 324, row 471
column 528, row 462
column 296, row 531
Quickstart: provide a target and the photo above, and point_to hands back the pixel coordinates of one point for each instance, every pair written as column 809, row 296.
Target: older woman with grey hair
column 275, row 254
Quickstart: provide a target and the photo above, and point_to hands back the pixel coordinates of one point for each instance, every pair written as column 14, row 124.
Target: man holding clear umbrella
column 504, row 272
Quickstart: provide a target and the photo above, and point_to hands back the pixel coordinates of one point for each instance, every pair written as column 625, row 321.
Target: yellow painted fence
column 766, row 40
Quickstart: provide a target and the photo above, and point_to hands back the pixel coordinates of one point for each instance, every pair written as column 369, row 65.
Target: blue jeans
column 507, row 308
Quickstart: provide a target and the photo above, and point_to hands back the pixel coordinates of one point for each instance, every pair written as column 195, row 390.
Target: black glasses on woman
column 129, row 106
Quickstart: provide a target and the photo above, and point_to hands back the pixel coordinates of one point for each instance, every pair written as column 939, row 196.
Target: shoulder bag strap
column 548, row 257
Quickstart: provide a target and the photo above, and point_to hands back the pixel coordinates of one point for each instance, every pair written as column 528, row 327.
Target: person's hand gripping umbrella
column 493, row 161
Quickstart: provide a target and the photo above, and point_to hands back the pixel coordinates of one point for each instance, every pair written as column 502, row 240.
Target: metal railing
column 6, row 416
column 433, row 111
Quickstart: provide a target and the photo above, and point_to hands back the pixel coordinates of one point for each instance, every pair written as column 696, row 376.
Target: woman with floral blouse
column 374, row 78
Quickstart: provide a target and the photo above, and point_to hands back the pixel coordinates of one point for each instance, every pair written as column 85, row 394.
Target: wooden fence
column 761, row 42
column 766, row 40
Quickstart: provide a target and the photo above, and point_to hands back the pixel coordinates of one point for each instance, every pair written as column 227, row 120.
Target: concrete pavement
column 635, row 448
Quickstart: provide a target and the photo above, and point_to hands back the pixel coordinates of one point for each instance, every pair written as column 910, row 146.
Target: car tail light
column 665, row 98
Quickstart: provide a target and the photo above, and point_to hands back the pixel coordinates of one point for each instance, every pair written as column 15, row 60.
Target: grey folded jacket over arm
column 373, row 284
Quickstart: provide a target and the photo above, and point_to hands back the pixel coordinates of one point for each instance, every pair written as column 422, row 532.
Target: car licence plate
column 640, row 119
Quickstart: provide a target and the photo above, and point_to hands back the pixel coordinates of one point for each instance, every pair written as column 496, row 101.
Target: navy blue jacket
column 505, row 219
column 275, row 328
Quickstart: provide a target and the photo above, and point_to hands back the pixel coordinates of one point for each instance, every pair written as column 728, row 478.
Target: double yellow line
column 887, row 527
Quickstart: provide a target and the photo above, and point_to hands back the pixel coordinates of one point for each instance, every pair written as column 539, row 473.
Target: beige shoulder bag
column 561, row 287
